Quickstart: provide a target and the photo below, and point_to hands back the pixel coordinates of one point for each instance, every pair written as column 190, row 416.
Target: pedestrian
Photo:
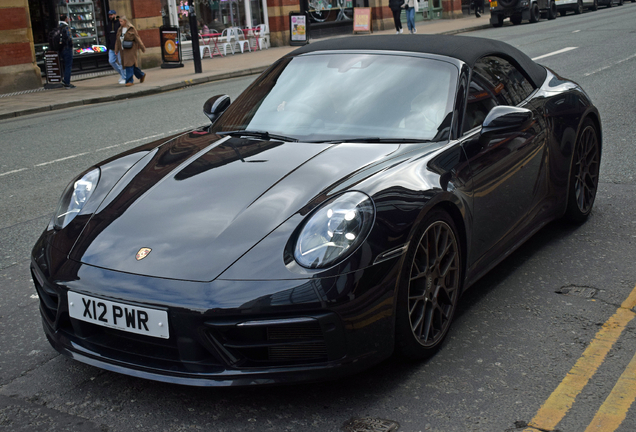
column 204, row 28
column 128, row 43
column 111, row 37
column 66, row 54
column 479, row 8
column 396, row 7
column 411, row 8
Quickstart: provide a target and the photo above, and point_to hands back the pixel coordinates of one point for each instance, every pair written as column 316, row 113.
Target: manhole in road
column 577, row 291
column 370, row 425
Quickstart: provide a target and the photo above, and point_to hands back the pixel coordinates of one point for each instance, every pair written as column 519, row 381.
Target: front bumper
column 224, row 333
column 524, row 11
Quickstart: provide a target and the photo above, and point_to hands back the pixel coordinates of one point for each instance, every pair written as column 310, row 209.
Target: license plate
column 493, row 4
column 132, row 319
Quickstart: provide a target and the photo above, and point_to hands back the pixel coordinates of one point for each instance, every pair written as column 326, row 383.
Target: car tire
column 534, row 13
column 499, row 19
column 584, row 173
column 579, row 8
column 594, row 6
column 620, row 2
column 552, row 12
column 610, row 4
column 429, row 288
column 516, row 19
column 563, row 12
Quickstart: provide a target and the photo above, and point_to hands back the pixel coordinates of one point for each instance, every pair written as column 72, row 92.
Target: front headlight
column 335, row 230
column 75, row 197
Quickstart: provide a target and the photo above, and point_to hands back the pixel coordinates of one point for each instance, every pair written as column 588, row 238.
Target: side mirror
column 505, row 118
column 215, row 106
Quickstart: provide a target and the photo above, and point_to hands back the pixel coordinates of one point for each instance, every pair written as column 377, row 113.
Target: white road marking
column 609, row 66
column 61, row 159
column 13, row 172
column 148, row 138
column 576, row 31
column 561, row 51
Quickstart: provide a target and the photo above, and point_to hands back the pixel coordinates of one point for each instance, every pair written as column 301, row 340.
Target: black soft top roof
column 464, row 48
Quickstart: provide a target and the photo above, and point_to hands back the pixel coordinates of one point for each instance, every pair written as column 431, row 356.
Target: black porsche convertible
column 330, row 216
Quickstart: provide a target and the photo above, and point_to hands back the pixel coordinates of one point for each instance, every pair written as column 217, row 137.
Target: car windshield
column 331, row 97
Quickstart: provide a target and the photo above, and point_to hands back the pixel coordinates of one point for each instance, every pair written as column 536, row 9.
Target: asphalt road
column 518, row 334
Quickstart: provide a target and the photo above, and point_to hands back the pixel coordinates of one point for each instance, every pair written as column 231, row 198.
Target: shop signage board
column 362, row 20
column 53, row 70
column 170, row 47
column 298, row 28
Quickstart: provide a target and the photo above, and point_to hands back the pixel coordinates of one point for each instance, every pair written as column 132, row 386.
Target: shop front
column 330, row 17
column 87, row 19
column 213, row 15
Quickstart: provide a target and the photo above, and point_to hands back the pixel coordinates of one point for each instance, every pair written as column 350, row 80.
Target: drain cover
column 584, row 292
column 370, row 425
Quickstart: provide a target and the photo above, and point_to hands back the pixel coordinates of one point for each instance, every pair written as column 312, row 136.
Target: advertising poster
column 362, row 20
column 170, row 50
column 298, row 29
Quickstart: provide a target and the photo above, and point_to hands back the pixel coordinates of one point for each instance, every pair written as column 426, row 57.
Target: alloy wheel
column 434, row 284
column 586, row 169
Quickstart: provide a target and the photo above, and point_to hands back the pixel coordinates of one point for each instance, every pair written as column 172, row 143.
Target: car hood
column 199, row 202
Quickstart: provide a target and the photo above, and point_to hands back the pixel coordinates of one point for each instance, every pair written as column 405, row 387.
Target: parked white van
column 576, row 6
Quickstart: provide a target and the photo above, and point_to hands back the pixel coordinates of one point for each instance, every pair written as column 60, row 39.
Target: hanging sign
column 362, row 20
column 298, row 28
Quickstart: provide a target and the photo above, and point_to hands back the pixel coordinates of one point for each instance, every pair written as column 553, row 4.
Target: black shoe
column 70, row 86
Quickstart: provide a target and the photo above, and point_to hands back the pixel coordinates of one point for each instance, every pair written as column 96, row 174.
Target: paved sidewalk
column 106, row 88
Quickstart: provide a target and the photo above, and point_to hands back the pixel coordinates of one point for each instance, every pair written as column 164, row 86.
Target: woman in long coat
column 129, row 55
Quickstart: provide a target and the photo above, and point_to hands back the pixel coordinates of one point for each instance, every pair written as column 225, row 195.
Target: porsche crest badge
column 143, row 253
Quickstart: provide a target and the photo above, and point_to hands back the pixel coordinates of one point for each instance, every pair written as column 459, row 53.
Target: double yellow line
column 613, row 411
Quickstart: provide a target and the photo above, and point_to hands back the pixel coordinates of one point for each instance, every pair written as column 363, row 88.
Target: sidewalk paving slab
column 105, row 88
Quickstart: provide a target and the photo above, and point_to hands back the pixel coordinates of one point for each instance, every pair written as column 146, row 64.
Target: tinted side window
column 499, row 71
column 494, row 82
column 481, row 99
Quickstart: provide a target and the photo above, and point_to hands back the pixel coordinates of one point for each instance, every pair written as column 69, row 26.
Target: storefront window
column 329, row 10
column 87, row 26
column 87, row 19
column 219, row 14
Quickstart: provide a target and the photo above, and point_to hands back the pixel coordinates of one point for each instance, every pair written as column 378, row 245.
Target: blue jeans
column 66, row 58
column 410, row 18
column 130, row 70
column 115, row 62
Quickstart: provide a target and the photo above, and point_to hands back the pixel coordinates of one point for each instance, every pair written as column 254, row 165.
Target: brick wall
column 146, row 8
column 15, row 53
column 18, row 70
column 13, row 18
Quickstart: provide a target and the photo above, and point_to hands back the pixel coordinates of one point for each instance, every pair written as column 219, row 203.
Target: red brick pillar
column 18, row 70
column 278, row 14
column 452, row 9
column 382, row 16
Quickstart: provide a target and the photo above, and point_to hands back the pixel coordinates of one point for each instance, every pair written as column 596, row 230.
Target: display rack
column 83, row 25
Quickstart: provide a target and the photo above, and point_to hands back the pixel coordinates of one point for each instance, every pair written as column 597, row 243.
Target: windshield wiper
column 264, row 135
column 372, row 140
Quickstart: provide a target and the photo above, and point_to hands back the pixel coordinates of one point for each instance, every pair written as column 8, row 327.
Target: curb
column 175, row 86
column 141, row 93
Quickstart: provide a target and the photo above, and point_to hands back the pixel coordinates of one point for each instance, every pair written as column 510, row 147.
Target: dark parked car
column 334, row 213
column 521, row 10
